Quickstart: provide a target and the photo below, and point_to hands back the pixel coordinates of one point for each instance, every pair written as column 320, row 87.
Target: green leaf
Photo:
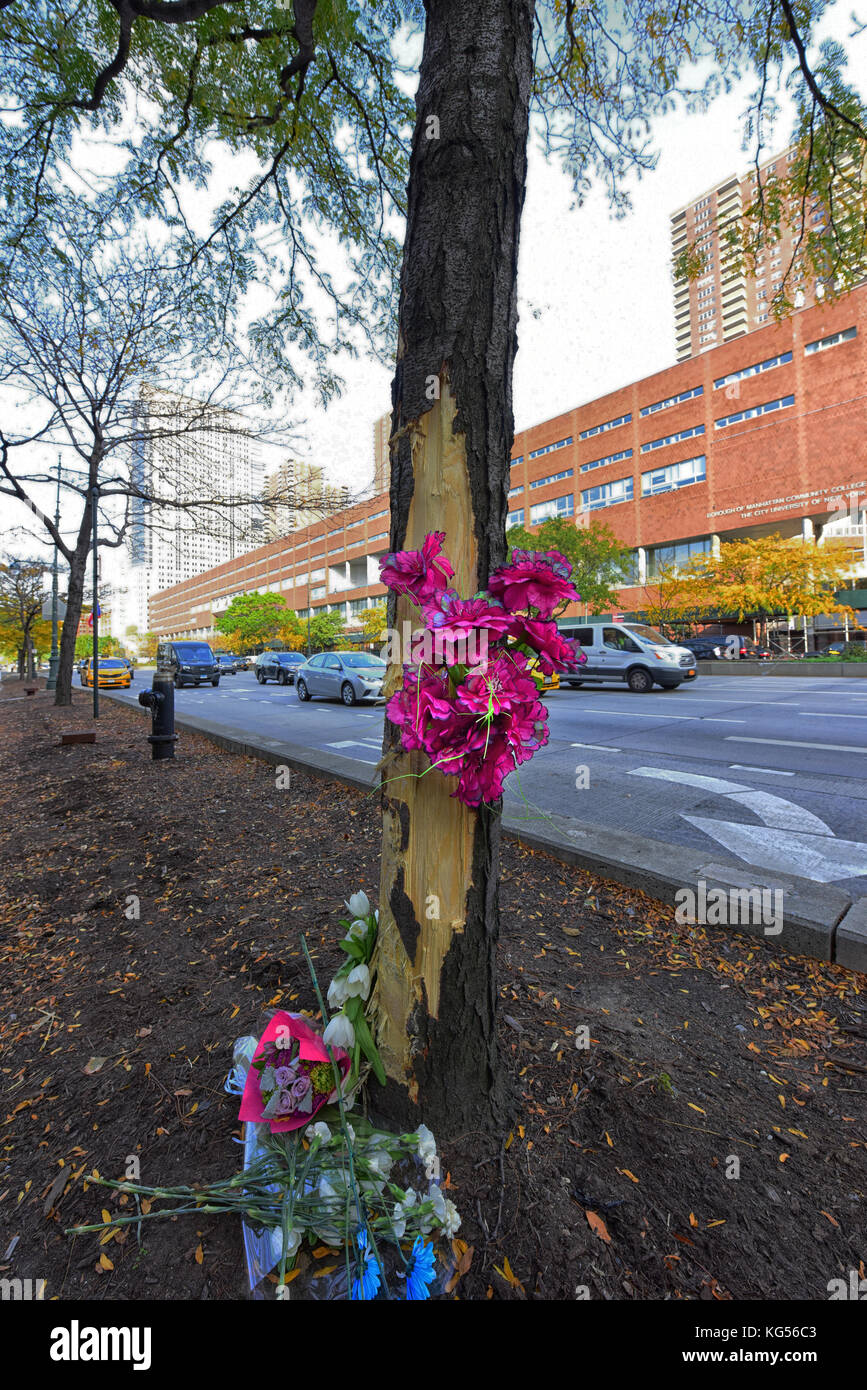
column 368, row 1047
column 352, row 948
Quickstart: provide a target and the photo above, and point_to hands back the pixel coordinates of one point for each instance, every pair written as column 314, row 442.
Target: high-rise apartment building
column 381, row 457
column 724, row 301
column 200, row 456
column 296, row 494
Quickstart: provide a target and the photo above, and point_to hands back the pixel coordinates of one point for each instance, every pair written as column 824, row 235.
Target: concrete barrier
column 827, row 669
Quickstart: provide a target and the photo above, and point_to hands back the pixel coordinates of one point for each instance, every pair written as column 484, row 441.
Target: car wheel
column 178, row 683
column 260, row 677
column 639, row 681
column 282, row 679
column 303, row 692
column 347, row 694
column 216, row 682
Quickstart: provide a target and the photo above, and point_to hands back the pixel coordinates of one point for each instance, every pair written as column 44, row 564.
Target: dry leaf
column 597, row 1226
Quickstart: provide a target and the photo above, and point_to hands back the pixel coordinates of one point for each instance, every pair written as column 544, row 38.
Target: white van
column 630, row 652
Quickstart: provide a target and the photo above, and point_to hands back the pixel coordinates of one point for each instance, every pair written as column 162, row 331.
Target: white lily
column 319, row 1131
column 359, row 905
column 358, row 981
column 339, row 1033
column 427, row 1145
column 338, row 992
column 358, row 930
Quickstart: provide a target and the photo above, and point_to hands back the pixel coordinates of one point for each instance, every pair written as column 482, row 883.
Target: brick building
column 763, row 433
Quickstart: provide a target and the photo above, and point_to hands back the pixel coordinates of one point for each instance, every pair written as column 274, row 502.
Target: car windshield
column 649, row 634
column 290, row 658
column 361, row 659
column 107, row 664
column 195, row 651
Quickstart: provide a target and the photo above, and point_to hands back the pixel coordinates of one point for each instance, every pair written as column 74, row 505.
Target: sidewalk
column 819, row 920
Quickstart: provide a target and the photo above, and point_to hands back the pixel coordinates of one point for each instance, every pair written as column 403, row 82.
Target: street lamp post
column 54, row 659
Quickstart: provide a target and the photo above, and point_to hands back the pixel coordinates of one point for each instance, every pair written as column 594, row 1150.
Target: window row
column 607, row 494
column 549, row 448
column 753, row 411
column 675, row 475
column 831, row 341
column 552, row 478
column 671, row 438
column 607, row 425
column 609, row 458
column 671, row 400
column 752, row 370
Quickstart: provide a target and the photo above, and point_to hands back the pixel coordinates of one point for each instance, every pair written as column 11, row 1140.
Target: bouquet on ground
column 469, row 699
column 291, row 1077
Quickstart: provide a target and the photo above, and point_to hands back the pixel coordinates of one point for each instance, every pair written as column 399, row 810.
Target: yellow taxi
column 112, row 672
column 544, row 683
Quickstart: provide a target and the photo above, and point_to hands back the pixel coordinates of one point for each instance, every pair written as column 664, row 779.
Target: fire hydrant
column 161, row 702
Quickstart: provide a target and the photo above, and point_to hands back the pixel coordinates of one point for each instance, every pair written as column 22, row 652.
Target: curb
column 818, row 920
column 822, row 669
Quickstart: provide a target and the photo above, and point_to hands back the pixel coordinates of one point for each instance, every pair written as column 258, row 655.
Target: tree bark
column 435, row 993
column 74, row 601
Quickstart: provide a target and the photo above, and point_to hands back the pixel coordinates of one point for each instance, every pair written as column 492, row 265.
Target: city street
column 768, row 771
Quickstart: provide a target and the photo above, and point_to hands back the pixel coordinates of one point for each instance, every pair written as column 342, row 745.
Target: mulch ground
column 710, row 1141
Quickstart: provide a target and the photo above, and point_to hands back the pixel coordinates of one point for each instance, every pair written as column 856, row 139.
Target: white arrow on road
column 791, row 840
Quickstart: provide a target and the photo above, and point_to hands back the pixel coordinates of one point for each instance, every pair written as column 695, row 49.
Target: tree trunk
column 435, row 991
column 74, row 601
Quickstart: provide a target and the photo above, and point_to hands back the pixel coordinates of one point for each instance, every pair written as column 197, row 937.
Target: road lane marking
column 797, row 743
column 690, row 779
column 715, row 719
column 771, row 771
column 814, row 714
column 597, row 747
column 820, row 857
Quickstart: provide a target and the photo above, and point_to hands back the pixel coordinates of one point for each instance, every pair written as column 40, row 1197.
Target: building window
column 553, row 478
column 555, row 506
column 675, row 475
column 515, row 519
column 519, row 459
column 609, row 458
column 754, row 370
column 549, row 448
column 660, row 557
column 608, row 425
column 607, row 495
column 672, row 400
column 513, row 492
column 834, row 338
column 318, row 592
column 671, row 439
column 755, row 410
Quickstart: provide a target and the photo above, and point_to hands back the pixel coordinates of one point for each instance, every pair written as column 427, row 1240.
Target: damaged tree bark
column 452, row 427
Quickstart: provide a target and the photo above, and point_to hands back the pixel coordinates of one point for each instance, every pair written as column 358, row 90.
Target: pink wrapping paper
column 310, row 1049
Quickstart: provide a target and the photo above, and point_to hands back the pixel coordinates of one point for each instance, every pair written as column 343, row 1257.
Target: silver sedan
column 346, row 676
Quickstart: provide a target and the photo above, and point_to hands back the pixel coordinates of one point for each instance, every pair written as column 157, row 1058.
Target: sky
column 596, row 307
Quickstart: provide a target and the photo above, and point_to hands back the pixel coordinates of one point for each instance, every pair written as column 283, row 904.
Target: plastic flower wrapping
column 330, row 1208
column 480, row 718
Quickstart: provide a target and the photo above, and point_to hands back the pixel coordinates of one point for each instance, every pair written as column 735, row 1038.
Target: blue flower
column 421, row 1270
column 366, row 1285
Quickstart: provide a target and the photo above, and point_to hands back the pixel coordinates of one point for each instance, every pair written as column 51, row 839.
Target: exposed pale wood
column 437, row 861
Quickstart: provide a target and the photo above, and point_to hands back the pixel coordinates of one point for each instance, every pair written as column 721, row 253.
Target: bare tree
column 132, row 367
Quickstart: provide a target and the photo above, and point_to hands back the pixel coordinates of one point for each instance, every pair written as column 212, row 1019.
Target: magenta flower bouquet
column 480, row 717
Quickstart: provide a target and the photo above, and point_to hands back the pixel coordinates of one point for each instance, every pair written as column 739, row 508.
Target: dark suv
column 279, row 666
column 191, row 663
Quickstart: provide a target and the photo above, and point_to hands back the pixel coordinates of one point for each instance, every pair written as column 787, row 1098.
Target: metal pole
column 54, row 659
column 95, row 610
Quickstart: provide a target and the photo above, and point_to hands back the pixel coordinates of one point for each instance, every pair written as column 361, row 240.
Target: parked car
column 113, row 672
column 628, row 652
column 190, row 663
column 130, row 664
column 279, row 666
column 750, row 650
column 705, row 648
column 346, row 676
column 227, row 663
column 243, row 663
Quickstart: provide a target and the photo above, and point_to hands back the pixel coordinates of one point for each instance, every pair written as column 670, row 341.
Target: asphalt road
column 768, row 771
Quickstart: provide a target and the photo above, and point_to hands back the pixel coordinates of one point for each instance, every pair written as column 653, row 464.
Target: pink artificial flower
column 503, row 684
column 456, row 618
column 534, row 579
column 419, row 573
column 556, row 653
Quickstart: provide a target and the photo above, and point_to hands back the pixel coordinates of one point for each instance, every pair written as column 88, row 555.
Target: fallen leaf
column 597, row 1226
column 94, row 1065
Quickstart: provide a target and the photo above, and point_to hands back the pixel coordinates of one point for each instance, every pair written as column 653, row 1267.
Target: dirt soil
column 708, row 1142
